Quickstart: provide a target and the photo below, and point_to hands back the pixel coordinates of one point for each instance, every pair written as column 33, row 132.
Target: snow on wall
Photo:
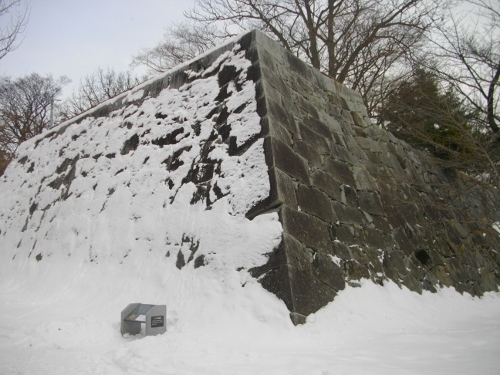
column 172, row 174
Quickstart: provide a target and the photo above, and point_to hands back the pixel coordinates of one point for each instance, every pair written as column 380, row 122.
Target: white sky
column 75, row 37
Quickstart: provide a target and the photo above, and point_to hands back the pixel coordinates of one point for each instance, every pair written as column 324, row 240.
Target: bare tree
column 10, row 33
column 464, row 56
column 97, row 87
column 26, row 107
column 181, row 42
column 356, row 42
column 467, row 56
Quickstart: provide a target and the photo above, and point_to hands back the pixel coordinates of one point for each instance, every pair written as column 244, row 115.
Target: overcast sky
column 75, row 37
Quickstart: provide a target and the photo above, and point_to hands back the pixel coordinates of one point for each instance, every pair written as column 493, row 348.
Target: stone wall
column 355, row 202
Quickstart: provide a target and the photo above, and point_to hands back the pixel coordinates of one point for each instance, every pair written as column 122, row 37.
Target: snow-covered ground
column 60, row 318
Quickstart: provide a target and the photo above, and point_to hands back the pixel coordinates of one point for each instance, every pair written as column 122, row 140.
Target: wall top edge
column 157, row 83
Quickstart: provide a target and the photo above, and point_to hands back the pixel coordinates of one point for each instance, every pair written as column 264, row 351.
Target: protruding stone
column 298, row 318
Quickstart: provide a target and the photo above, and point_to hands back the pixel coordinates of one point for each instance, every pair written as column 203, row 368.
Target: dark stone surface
column 346, row 214
column 309, row 230
column 309, row 153
column 318, row 127
column 284, row 158
column 313, row 139
column 314, row 202
column 327, row 184
column 341, row 250
column 130, row 144
column 281, row 115
column 339, row 171
column 370, row 202
column 328, row 272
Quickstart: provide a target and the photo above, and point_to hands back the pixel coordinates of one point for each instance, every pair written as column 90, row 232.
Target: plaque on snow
column 136, row 314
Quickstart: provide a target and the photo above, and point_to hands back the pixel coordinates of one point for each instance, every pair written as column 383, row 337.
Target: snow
column 123, row 202
column 57, row 319
column 496, row 226
column 71, row 258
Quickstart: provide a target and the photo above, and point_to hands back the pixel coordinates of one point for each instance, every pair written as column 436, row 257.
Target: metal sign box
column 154, row 317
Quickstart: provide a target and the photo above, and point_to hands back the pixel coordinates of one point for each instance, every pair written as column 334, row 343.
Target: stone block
column 347, row 122
column 337, row 100
column 268, row 59
column 349, row 196
column 363, row 179
column 284, row 158
column 309, row 153
column 314, row 202
column 261, row 100
column 442, row 275
column 347, row 234
column 346, row 214
column 382, row 225
column 327, row 271
column 391, row 161
column 408, row 213
column 458, row 228
column 371, row 203
column 318, row 127
column 339, row 171
column 375, row 238
column 359, row 254
column 394, row 261
column 322, row 82
column 277, row 281
column 277, row 131
column 412, row 283
column 308, row 110
column 264, row 90
column 271, row 78
column 252, row 52
column 338, row 138
column 297, row 255
column 340, row 152
column 458, row 271
column 358, row 120
column 303, row 278
column 285, row 189
column 298, row 318
column 372, row 159
column 298, row 66
column 279, row 114
column 391, row 208
column 356, row 271
column 307, row 229
column 333, row 124
column 416, row 268
column 341, row 250
column 327, row 184
column 306, row 301
column 313, row 139
column 291, row 276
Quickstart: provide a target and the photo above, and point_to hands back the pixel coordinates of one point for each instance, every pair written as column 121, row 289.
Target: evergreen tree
column 428, row 117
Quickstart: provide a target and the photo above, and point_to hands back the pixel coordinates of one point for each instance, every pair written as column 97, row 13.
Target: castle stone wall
column 355, row 202
column 249, row 129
